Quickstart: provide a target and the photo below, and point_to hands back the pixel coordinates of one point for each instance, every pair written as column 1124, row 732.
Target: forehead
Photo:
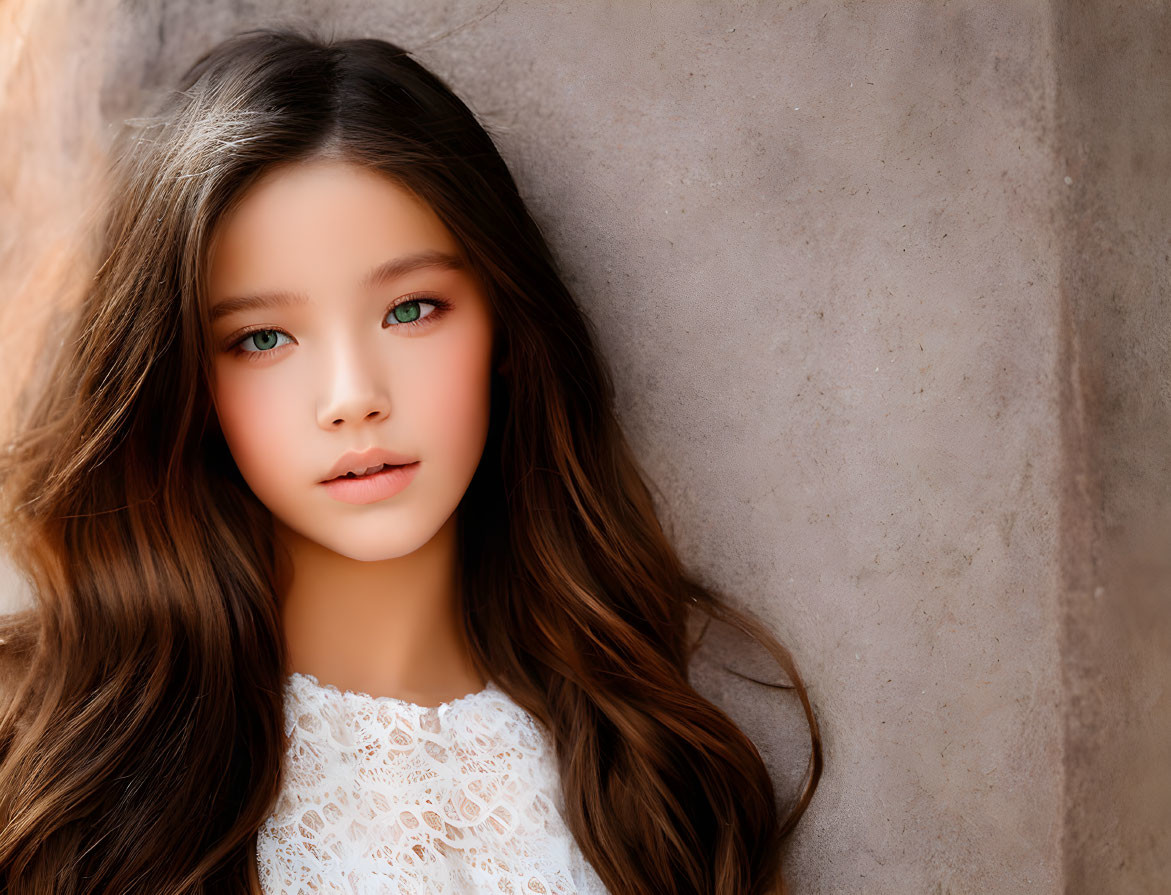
column 310, row 223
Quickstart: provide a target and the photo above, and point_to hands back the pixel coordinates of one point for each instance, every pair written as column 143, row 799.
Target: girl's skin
column 372, row 606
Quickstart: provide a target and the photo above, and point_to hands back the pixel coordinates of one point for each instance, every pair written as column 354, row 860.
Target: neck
column 387, row 628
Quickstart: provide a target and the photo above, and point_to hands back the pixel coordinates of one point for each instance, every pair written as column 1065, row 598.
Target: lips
column 359, row 462
column 372, row 488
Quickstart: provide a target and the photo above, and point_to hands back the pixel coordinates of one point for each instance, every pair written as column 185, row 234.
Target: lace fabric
column 386, row 796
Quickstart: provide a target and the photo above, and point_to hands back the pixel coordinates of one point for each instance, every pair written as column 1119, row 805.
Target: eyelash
column 440, row 307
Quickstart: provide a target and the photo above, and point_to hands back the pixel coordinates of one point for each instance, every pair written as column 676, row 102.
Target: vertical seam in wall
column 1077, row 486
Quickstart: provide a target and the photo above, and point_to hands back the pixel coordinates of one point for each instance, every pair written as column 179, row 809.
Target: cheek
column 251, row 412
column 452, row 404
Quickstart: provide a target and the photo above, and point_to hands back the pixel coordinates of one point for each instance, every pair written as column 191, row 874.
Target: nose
column 354, row 388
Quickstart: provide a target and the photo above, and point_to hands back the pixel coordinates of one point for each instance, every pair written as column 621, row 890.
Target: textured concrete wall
column 903, row 387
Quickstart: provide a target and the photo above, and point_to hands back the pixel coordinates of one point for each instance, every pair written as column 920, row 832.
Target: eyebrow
column 383, row 273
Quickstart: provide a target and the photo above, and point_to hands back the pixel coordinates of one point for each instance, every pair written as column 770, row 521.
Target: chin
column 370, row 549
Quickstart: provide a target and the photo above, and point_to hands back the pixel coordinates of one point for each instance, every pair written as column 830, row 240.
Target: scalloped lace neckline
column 310, row 682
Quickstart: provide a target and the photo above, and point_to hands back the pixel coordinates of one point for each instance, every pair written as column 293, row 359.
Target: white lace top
column 386, row 796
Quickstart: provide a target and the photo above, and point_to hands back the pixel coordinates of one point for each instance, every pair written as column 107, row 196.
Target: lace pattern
column 386, row 796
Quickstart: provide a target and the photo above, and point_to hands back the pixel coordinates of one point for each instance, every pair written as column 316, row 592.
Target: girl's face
column 343, row 320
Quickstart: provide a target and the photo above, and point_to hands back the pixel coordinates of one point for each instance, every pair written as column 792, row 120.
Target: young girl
column 346, row 579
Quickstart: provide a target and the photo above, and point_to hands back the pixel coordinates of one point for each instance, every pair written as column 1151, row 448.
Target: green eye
column 409, row 312
column 263, row 339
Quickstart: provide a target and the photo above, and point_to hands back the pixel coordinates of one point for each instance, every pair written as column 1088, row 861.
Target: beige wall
column 883, row 286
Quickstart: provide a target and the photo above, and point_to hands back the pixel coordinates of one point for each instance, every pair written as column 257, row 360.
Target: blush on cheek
column 466, row 413
column 250, row 423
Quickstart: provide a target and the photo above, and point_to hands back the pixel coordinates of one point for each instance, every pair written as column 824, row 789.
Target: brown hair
column 140, row 729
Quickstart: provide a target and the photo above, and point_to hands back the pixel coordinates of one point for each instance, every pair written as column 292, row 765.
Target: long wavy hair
column 141, row 735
